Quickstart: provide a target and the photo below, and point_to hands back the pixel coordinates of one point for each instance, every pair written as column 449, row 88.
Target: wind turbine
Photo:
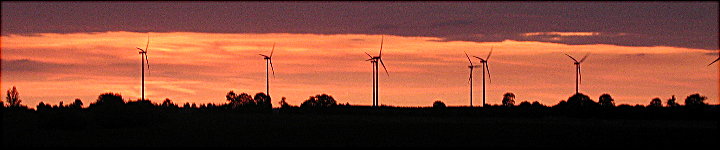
column 268, row 66
column 471, row 66
column 485, row 68
column 374, row 60
column 143, row 52
column 578, row 75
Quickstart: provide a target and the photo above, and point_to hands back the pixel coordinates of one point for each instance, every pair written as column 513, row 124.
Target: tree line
column 261, row 102
column 110, row 110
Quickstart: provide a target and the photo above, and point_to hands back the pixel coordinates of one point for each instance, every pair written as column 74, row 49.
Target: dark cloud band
column 690, row 25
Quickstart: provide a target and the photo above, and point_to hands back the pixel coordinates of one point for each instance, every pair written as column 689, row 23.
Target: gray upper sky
column 676, row 24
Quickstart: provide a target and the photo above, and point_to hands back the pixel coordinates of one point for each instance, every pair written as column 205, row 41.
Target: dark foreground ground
column 221, row 129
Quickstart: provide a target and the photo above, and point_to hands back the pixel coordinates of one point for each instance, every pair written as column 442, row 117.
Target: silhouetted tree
column 525, row 104
column 263, row 101
column 581, row 100
column 283, row 103
column 42, row 106
column 537, row 104
column 167, row 103
column 77, row 104
column 246, row 100
column 655, row 102
column 438, row 104
column 211, row 105
column 108, row 99
column 319, row 101
column 13, row 97
column 606, row 100
column 233, row 99
column 231, row 96
column 141, row 104
column 186, row 105
column 109, row 110
column 508, row 99
column 695, row 100
column 624, row 106
column 242, row 100
column 562, row 103
column 671, row 102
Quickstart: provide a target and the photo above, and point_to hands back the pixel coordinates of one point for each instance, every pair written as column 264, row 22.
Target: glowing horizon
column 203, row 67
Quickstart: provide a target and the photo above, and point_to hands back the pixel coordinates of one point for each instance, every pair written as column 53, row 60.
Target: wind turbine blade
column 272, row 68
column 488, row 57
column 488, row 71
column 148, row 43
column 479, row 58
column 468, row 57
column 714, row 61
column 273, row 50
column 147, row 61
column 368, row 55
column 381, row 45
column 383, row 64
column 583, row 59
column 571, row 58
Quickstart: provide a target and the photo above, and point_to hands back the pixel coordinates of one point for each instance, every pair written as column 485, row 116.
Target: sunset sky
column 59, row 51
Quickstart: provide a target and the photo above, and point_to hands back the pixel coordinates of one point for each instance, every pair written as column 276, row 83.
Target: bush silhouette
column 43, row 107
column 578, row 105
column 167, row 103
column 438, row 104
column 671, row 102
column 242, row 100
column 108, row 110
column 581, row 100
column 695, row 99
column 77, row 104
column 606, row 100
column 283, row 103
column 508, row 99
column 525, row 104
column 319, row 101
column 140, row 104
column 108, row 100
column 655, row 102
column 263, row 101
column 537, row 104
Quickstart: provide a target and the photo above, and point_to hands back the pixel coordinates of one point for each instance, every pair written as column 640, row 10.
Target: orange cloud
column 203, row 67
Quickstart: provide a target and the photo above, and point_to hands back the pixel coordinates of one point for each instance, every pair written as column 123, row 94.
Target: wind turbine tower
column 485, row 68
column 578, row 75
column 268, row 67
column 374, row 60
column 471, row 66
column 143, row 59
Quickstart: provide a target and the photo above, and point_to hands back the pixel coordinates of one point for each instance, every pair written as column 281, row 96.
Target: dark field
column 221, row 129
